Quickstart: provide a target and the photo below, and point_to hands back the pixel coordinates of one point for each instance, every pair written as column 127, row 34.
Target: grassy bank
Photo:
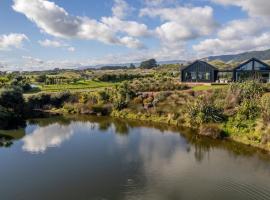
column 250, row 137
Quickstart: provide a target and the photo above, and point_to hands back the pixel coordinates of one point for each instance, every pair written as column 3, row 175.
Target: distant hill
column 171, row 62
column 262, row 55
column 125, row 65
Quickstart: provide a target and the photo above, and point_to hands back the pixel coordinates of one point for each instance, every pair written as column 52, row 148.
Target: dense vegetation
column 149, row 64
column 11, row 106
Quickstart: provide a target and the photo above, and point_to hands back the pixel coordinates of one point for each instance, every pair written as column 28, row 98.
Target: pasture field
column 80, row 85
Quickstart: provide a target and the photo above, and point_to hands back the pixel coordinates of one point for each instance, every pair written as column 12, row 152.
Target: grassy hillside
column 262, row 55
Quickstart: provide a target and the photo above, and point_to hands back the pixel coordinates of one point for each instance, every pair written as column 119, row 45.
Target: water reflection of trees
column 6, row 141
column 7, row 137
column 202, row 146
column 12, row 124
column 121, row 127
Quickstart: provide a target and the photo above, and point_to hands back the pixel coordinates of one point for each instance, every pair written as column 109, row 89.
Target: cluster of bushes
column 202, row 111
column 11, row 106
column 109, row 77
column 241, row 111
column 17, row 81
column 47, row 100
column 100, row 102
column 156, row 84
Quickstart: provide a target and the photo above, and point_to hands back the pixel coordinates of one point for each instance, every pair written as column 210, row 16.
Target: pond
column 91, row 158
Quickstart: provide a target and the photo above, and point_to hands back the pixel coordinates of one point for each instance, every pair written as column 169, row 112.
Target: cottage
column 199, row 71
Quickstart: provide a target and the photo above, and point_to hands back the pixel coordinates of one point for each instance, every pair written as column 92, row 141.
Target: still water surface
column 104, row 159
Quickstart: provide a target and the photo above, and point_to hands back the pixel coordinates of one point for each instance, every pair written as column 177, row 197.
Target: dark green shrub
column 248, row 110
column 203, row 111
column 122, row 95
column 247, row 90
column 101, row 109
column 265, row 107
column 9, row 119
column 57, row 100
column 12, row 99
column 39, row 101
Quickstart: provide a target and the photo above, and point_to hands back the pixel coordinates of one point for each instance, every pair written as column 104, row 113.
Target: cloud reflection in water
column 44, row 137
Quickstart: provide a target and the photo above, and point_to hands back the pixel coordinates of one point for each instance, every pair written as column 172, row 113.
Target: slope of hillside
column 262, row 55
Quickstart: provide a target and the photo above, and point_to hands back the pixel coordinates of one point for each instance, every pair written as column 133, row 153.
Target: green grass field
column 81, row 85
column 207, row 87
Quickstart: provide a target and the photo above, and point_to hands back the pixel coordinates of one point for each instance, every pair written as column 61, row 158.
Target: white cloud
column 251, row 33
column 182, row 23
column 32, row 61
column 117, row 24
column 71, row 49
column 56, row 44
column 253, row 7
column 121, row 9
column 29, row 63
column 132, row 42
column 54, row 20
column 12, row 40
column 173, row 32
column 158, row 2
column 51, row 43
column 238, row 29
column 132, row 28
column 237, row 45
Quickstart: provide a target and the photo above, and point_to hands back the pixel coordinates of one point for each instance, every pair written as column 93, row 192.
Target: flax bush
column 203, row 111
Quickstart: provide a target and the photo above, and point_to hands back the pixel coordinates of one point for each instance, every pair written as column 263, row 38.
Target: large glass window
column 247, row 66
column 187, row 76
column 259, row 66
column 207, row 76
column 243, row 76
column 201, row 75
column 193, row 76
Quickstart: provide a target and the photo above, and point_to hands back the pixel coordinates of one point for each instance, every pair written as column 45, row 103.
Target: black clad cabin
column 199, row 71
column 252, row 69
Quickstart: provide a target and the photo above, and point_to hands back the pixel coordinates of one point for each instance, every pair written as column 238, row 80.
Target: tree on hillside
column 22, row 82
column 132, row 66
column 41, row 78
column 149, row 64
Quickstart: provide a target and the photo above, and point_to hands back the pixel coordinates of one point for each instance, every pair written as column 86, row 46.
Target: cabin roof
column 251, row 60
column 201, row 62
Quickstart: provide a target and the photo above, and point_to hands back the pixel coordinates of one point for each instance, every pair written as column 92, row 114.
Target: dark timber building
column 199, row 71
column 202, row 72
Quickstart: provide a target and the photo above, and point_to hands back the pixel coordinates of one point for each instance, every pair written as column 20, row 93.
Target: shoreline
column 176, row 124
column 169, row 122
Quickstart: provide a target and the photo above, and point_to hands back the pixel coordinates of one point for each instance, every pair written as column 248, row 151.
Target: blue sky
column 44, row 34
